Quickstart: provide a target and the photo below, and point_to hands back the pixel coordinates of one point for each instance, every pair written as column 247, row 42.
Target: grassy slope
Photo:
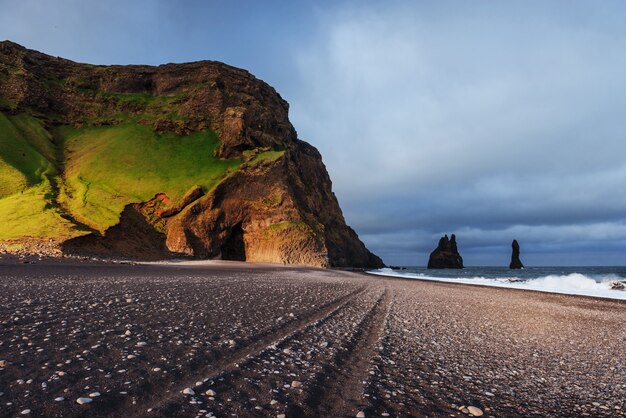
column 105, row 168
column 26, row 167
column 111, row 166
column 24, row 153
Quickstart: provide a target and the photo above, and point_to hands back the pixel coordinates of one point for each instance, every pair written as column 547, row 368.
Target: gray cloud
column 493, row 120
column 493, row 124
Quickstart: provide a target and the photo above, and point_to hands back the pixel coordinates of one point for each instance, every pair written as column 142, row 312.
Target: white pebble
column 477, row 412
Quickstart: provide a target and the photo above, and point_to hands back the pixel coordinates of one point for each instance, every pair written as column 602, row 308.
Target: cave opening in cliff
column 234, row 248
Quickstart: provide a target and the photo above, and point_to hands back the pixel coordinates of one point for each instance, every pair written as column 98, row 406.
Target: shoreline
column 620, row 294
column 227, row 264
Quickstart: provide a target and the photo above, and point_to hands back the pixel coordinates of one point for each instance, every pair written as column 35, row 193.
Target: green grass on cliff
column 110, row 166
column 89, row 174
column 26, row 153
column 27, row 165
column 56, row 183
column 30, row 213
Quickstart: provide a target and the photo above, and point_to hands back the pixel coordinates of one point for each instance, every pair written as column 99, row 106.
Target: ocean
column 605, row 282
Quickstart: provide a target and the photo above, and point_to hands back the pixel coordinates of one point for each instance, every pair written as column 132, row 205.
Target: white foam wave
column 571, row 284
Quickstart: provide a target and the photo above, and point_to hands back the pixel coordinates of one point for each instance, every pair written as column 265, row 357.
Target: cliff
column 196, row 159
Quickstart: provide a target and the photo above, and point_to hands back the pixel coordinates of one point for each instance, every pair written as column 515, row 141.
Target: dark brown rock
column 516, row 263
column 446, row 255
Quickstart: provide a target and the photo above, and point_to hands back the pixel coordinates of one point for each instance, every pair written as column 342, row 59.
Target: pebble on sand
column 477, row 412
column 189, row 391
column 296, row 384
column 210, row 392
column 361, row 414
column 25, row 412
column 59, row 399
column 82, row 401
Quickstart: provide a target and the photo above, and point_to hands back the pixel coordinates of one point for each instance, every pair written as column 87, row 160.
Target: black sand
column 302, row 342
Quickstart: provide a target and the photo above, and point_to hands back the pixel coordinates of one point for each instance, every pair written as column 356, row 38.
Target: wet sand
column 263, row 341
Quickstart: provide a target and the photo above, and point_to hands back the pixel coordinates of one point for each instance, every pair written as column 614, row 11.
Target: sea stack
column 516, row 263
column 446, row 255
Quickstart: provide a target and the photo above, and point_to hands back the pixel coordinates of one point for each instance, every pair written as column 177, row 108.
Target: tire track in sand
column 340, row 388
column 158, row 402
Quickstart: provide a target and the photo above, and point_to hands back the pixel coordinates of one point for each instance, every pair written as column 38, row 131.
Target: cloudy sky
column 491, row 120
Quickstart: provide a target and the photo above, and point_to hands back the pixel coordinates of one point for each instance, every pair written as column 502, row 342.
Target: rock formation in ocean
column 516, row 263
column 113, row 161
column 446, row 255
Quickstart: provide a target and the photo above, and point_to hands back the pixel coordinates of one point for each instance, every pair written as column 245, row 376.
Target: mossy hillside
column 146, row 105
column 31, row 213
column 108, row 167
column 269, row 156
column 291, row 230
column 103, row 169
column 26, row 153
column 28, row 175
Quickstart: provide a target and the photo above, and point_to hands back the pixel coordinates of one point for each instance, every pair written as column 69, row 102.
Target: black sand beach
column 246, row 340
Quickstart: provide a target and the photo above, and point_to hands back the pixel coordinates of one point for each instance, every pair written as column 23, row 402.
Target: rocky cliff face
column 276, row 206
column 446, row 255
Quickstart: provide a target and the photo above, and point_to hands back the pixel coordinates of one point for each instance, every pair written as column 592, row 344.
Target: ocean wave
column 606, row 286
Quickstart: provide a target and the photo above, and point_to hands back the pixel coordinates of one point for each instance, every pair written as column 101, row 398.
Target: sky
column 491, row 120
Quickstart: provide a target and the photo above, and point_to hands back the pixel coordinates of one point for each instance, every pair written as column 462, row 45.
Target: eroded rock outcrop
column 516, row 263
column 277, row 206
column 446, row 255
